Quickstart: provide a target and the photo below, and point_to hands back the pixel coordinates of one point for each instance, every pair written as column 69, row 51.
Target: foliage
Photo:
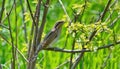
column 89, row 36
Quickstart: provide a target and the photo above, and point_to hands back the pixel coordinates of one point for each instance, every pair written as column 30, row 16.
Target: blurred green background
column 49, row 59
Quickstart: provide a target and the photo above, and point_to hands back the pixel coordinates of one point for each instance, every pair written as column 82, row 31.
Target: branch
column 25, row 30
column 2, row 10
column 12, row 41
column 79, row 51
column 83, row 11
column 32, row 49
column 114, row 21
column 111, row 12
column 65, row 50
column 77, row 60
column 65, row 10
column 100, row 18
column 106, row 60
column 36, row 17
column 58, row 67
column 73, row 46
column 8, row 13
column 40, row 31
column 4, row 26
column 104, row 11
column 31, row 12
column 16, row 32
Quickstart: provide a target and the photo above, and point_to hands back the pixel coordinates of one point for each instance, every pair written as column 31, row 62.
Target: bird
column 53, row 34
column 50, row 37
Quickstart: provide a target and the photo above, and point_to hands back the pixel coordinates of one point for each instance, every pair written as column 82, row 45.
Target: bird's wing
column 51, row 32
column 49, row 38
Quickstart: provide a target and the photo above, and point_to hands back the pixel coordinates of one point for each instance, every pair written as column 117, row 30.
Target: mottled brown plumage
column 49, row 38
column 53, row 34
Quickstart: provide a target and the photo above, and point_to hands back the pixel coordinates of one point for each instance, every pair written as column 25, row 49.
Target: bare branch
column 105, row 61
column 31, row 12
column 114, row 21
column 40, row 31
column 36, row 17
column 58, row 67
column 4, row 26
column 79, row 51
column 104, row 11
column 65, row 10
column 8, row 14
column 73, row 46
column 25, row 30
column 39, row 34
column 16, row 27
column 12, row 41
column 2, row 10
column 77, row 60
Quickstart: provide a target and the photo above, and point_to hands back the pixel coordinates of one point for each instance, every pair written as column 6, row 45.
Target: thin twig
column 31, row 12
column 36, row 17
column 104, row 11
column 12, row 41
column 111, row 10
column 30, row 42
column 83, row 11
column 30, row 50
column 8, row 14
column 65, row 10
column 4, row 26
column 114, row 21
column 110, row 15
column 105, row 61
column 2, row 10
column 25, row 30
column 58, row 67
column 77, row 60
column 114, row 2
column 73, row 45
column 16, row 26
column 71, row 57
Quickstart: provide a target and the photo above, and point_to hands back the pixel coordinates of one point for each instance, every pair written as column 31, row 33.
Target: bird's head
column 59, row 24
